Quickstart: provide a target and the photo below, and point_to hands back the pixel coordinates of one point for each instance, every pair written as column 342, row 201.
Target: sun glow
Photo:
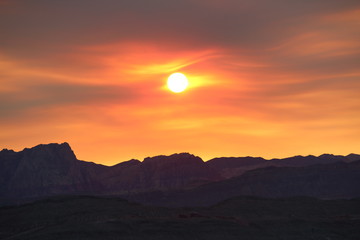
column 177, row 82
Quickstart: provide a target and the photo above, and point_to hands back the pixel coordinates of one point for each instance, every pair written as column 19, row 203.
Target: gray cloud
column 34, row 96
column 41, row 30
column 49, row 26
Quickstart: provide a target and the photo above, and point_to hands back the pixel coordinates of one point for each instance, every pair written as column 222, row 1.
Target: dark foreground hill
column 238, row 218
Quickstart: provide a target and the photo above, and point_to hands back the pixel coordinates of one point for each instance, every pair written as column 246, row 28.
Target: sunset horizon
column 179, row 119
column 258, row 78
column 141, row 159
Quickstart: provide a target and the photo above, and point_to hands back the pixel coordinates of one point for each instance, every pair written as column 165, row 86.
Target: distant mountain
column 53, row 169
column 339, row 180
column 235, row 166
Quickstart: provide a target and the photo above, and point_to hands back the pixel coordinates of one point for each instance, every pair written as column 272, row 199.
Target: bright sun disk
column 177, row 82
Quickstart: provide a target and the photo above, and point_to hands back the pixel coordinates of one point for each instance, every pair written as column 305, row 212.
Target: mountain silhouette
column 159, row 173
column 234, row 166
column 178, row 179
column 327, row 181
column 46, row 170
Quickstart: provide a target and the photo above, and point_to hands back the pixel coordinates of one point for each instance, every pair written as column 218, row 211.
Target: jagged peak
column 353, row 157
column 327, row 155
column 64, row 145
column 51, row 145
column 51, row 151
column 184, row 156
column 127, row 163
column 5, row 150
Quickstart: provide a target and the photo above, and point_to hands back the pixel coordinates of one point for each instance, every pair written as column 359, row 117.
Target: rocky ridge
column 53, row 169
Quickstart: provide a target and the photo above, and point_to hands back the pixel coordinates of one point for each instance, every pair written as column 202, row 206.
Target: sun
column 177, row 82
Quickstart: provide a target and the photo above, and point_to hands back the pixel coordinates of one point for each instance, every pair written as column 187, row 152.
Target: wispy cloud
column 273, row 77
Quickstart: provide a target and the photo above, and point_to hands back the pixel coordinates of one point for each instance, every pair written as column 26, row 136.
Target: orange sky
column 267, row 78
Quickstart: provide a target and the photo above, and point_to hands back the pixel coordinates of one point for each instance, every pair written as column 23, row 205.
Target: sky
column 266, row 78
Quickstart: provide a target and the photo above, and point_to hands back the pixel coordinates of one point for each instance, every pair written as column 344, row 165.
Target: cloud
column 260, row 71
column 32, row 97
column 53, row 26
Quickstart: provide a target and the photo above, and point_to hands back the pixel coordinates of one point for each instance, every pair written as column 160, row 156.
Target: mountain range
column 176, row 180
